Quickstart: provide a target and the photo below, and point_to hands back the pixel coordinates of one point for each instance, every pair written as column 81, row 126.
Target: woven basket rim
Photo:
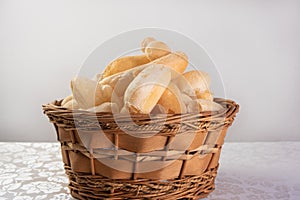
column 231, row 109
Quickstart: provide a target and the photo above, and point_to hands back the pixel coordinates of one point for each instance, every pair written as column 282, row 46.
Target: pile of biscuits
column 152, row 82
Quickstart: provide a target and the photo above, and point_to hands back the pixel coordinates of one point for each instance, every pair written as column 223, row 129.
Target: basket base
column 91, row 187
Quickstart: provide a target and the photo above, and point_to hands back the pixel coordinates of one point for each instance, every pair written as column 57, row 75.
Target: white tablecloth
column 33, row 171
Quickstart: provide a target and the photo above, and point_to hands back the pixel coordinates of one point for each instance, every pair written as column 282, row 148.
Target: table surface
column 34, row 171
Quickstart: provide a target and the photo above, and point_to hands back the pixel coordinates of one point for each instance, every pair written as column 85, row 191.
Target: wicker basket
column 172, row 156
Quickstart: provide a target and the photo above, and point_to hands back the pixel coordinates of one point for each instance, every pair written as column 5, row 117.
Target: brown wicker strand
column 190, row 186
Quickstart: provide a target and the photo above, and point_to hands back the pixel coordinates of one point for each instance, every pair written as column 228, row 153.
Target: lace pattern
column 34, row 171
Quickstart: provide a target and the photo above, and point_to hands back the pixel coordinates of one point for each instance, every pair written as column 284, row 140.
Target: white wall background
column 255, row 44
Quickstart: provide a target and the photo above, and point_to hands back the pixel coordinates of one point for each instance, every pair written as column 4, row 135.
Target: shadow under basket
column 121, row 156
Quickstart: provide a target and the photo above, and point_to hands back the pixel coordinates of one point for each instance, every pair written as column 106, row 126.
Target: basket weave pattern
column 174, row 156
